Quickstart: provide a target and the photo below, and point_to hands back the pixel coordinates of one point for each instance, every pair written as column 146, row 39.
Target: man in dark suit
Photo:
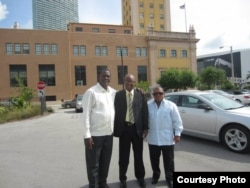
column 131, row 126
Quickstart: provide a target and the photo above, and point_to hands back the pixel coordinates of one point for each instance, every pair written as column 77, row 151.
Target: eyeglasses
column 158, row 93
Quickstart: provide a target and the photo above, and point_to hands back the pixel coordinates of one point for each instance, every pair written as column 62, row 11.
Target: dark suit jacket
column 140, row 110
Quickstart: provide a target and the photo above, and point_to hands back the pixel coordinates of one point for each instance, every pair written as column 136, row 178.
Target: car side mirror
column 204, row 106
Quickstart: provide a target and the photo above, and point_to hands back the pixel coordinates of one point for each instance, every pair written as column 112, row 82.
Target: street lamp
column 232, row 60
column 122, row 67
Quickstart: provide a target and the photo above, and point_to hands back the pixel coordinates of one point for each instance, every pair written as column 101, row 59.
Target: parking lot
column 48, row 152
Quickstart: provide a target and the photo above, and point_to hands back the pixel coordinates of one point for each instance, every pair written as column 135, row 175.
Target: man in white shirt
column 165, row 128
column 98, row 121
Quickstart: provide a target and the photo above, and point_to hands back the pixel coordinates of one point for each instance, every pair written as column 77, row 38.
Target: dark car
column 69, row 103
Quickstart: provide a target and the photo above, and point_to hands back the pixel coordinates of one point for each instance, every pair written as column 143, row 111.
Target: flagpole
column 185, row 17
column 184, row 7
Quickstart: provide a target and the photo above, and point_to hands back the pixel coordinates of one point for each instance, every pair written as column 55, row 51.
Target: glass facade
column 54, row 15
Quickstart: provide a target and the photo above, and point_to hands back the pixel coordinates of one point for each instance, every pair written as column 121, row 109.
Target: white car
column 223, row 93
column 242, row 97
column 78, row 106
column 214, row 117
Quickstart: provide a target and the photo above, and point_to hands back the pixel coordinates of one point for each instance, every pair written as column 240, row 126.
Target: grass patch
column 8, row 114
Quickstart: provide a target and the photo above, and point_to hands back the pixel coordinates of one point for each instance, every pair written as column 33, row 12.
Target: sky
column 216, row 22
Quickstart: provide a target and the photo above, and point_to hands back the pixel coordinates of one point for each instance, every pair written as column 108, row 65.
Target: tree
column 143, row 85
column 211, row 76
column 24, row 97
column 187, row 79
column 169, row 79
column 177, row 79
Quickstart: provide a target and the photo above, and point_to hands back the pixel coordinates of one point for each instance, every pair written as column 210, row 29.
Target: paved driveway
column 48, row 152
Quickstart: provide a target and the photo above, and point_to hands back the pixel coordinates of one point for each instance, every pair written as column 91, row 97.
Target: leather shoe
column 169, row 182
column 123, row 184
column 154, row 181
column 104, row 186
column 142, row 183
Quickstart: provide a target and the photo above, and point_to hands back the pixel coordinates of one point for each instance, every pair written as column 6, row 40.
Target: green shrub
column 14, row 114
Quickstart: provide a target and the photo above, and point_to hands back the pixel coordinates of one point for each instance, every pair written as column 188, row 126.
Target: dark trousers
column 129, row 137
column 98, row 160
column 168, row 160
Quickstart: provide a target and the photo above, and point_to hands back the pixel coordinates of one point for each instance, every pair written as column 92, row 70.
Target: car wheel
column 236, row 138
column 68, row 106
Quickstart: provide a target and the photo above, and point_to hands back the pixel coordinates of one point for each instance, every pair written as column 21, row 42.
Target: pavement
column 48, row 152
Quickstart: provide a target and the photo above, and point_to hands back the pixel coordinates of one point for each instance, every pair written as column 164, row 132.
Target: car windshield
column 221, row 101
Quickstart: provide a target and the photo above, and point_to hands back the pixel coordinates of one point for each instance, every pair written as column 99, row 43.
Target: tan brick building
column 68, row 61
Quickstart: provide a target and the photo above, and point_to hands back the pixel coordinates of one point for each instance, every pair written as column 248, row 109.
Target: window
column 8, row 48
column 122, row 71
column 101, row 50
column 26, row 48
column 75, row 50
column 47, row 74
column 141, row 25
column 140, row 4
column 95, row 30
column 38, row 49
column 142, row 73
column 99, row 69
column 79, row 50
column 80, row 75
column 46, row 49
column 173, row 53
column 111, row 30
column 53, row 49
column 98, row 51
column 78, row 29
column 82, row 50
column 144, row 52
column 17, row 48
column 162, row 27
column 141, row 51
column 127, row 32
column 184, row 53
column 161, row 6
column 124, row 51
column 18, row 73
column 138, row 51
column 151, row 5
column 104, row 51
column 151, row 16
column 161, row 16
column 141, row 15
column 162, row 53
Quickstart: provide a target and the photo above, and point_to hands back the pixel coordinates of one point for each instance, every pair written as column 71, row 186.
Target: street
column 48, row 152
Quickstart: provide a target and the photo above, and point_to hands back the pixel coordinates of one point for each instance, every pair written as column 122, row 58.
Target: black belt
column 129, row 123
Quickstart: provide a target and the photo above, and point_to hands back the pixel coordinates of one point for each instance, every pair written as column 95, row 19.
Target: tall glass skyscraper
column 54, row 14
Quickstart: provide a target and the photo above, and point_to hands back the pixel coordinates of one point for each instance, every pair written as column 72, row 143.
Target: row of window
column 151, row 5
column 24, row 48
column 97, row 30
column 142, row 26
column 151, row 16
column 173, row 53
column 47, row 74
column 81, row 50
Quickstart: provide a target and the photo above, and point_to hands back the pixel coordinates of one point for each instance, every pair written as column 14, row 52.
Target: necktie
column 130, row 108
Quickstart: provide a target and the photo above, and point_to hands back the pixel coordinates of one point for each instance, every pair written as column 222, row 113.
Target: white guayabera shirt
column 98, row 111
